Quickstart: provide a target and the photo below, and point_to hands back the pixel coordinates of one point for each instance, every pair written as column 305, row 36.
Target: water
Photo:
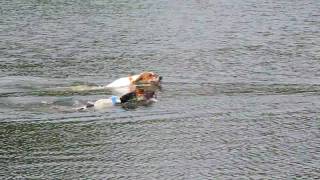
column 240, row 95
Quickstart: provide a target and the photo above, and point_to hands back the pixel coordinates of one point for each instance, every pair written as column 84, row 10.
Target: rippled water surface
column 240, row 96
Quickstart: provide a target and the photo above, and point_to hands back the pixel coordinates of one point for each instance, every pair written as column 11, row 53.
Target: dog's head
column 148, row 78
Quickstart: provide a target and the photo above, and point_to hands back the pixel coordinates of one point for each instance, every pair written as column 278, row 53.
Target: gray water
column 239, row 99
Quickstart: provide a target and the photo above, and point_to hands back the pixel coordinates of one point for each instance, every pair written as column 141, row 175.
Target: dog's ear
column 140, row 77
column 137, row 80
column 144, row 77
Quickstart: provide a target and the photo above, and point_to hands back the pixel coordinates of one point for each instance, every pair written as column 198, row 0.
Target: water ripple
column 240, row 96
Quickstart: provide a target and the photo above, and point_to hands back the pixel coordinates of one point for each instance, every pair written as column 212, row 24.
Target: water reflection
column 143, row 95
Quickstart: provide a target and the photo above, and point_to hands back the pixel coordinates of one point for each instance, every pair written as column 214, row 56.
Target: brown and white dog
column 143, row 78
column 125, row 85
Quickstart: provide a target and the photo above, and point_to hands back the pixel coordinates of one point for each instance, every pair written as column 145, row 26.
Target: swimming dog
column 125, row 85
column 143, row 78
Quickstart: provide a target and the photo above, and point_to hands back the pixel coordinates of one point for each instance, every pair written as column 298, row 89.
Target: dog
column 143, row 78
column 125, row 85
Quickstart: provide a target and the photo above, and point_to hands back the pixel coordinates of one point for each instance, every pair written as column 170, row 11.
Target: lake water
column 240, row 96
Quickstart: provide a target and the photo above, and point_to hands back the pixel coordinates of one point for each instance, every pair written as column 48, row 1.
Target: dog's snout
column 160, row 78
